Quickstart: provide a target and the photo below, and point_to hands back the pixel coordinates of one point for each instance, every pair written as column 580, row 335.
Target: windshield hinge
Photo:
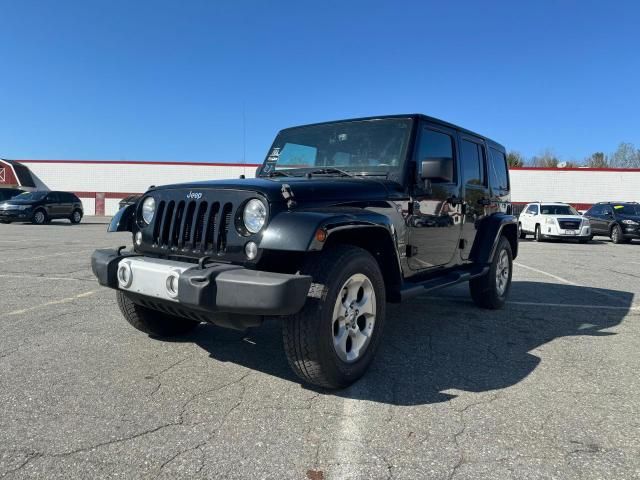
column 287, row 194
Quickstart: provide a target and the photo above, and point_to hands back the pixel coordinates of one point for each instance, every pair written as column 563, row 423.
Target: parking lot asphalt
column 545, row 388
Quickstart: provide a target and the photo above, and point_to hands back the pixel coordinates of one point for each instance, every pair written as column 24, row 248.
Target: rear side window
column 498, row 173
column 472, row 163
column 435, row 145
column 53, row 197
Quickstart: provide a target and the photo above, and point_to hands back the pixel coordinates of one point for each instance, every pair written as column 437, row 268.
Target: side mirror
column 437, row 169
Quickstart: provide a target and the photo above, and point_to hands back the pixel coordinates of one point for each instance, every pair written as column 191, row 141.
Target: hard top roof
column 412, row 116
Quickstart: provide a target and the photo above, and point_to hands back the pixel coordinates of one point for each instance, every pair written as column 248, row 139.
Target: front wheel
column 616, row 234
column 538, row 234
column 521, row 233
column 40, row 217
column 333, row 339
column 491, row 290
column 153, row 322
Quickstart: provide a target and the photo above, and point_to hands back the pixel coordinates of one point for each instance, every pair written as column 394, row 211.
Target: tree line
column 625, row 156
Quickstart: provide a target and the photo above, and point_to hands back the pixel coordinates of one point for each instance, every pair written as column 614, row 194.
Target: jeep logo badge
column 194, row 195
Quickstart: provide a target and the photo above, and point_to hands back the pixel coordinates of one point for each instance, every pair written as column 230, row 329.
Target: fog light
column 251, row 250
column 125, row 275
column 172, row 284
column 139, row 238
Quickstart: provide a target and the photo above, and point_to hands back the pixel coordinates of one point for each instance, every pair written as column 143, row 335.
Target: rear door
column 66, row 203
column 52, row 204
column 594, row 214
column 476, row 194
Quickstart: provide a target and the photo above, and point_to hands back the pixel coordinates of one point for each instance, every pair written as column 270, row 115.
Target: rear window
column 498, row 170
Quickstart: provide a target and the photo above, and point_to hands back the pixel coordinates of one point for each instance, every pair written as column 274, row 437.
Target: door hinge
column 462, row 244
column 412, row 251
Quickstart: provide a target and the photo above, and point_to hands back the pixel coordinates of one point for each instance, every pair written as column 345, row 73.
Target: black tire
column 5, row 221
column 309, row 335
column 538, row 235
column 40, row 217
column 76, row 217
column 521, row 233
column 152, row 322
column 584, row 240
column 616, row 235
column 484, row 290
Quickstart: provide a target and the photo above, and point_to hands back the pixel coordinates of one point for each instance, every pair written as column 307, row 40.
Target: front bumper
column 215, row 288
column 555, row 232
column 15, row 214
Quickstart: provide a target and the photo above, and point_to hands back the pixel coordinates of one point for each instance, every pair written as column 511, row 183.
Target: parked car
column 41, row 207
column 130, row 200
column 560, row 221
column 7, row 193
column 619, row 221
column 322, row 239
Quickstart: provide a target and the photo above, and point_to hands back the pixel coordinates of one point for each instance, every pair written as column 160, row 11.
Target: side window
column 472, row 165
column 69, row 198
column 53, row 197
column 533, row 209
column 498, row 173
column 595, row 210
column 435, row 145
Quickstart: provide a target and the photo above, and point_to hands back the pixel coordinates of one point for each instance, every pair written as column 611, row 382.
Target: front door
column 434, row 219
column 52, row 205
column 477, row 200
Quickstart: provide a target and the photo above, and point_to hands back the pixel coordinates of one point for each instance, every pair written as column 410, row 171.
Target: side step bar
column 412, row 289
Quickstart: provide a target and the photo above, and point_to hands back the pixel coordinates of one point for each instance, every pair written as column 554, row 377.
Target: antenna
column 244, row 135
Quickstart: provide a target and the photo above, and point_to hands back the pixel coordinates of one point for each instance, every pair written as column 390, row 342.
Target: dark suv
column 41, row 207
column 618, row 220
column 7, row 193
column 343, row 217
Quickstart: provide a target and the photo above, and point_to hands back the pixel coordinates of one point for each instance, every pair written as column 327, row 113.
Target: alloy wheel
column 354, row 318
column 502, row 273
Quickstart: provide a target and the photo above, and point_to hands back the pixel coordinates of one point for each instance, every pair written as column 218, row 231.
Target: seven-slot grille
column 569, row 224
column 193, row 225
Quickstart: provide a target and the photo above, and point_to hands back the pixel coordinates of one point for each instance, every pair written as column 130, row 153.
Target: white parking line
column 634, row 308
column 569, row 282
column 54, row 302
column 41, row 277
column 74, row 253
column 560, row 279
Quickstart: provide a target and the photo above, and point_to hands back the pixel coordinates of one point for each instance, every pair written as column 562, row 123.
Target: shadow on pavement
column 431, row 345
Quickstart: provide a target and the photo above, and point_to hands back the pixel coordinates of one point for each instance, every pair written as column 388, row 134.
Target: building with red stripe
column 102, row 184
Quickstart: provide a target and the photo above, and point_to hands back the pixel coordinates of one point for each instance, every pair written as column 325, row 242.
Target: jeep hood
column 315, row 189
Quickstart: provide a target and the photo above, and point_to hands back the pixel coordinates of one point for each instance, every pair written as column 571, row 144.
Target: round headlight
column 148, row 209
column 255, row 215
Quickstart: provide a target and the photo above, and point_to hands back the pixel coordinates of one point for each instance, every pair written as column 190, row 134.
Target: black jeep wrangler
column 342, row 218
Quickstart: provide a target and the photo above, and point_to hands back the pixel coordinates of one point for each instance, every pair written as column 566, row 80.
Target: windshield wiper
column 275, row 173
column 327, row 170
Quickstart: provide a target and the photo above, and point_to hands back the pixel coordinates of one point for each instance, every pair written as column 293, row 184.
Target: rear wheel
column 491, row 290
column 153, row 322
column 333, row 339
column 76, row 216
column 40, row 217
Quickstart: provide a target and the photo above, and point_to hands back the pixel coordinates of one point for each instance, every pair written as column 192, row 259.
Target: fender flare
column 296, row 231
column 490, row 229
column 122, row 221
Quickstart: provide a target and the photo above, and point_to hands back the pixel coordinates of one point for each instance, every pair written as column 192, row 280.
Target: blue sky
column 169, row 80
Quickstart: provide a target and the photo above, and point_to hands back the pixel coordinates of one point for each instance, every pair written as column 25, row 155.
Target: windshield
column 558, row 210
column 30, row 196
column 366, row 147
column 627, row 209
